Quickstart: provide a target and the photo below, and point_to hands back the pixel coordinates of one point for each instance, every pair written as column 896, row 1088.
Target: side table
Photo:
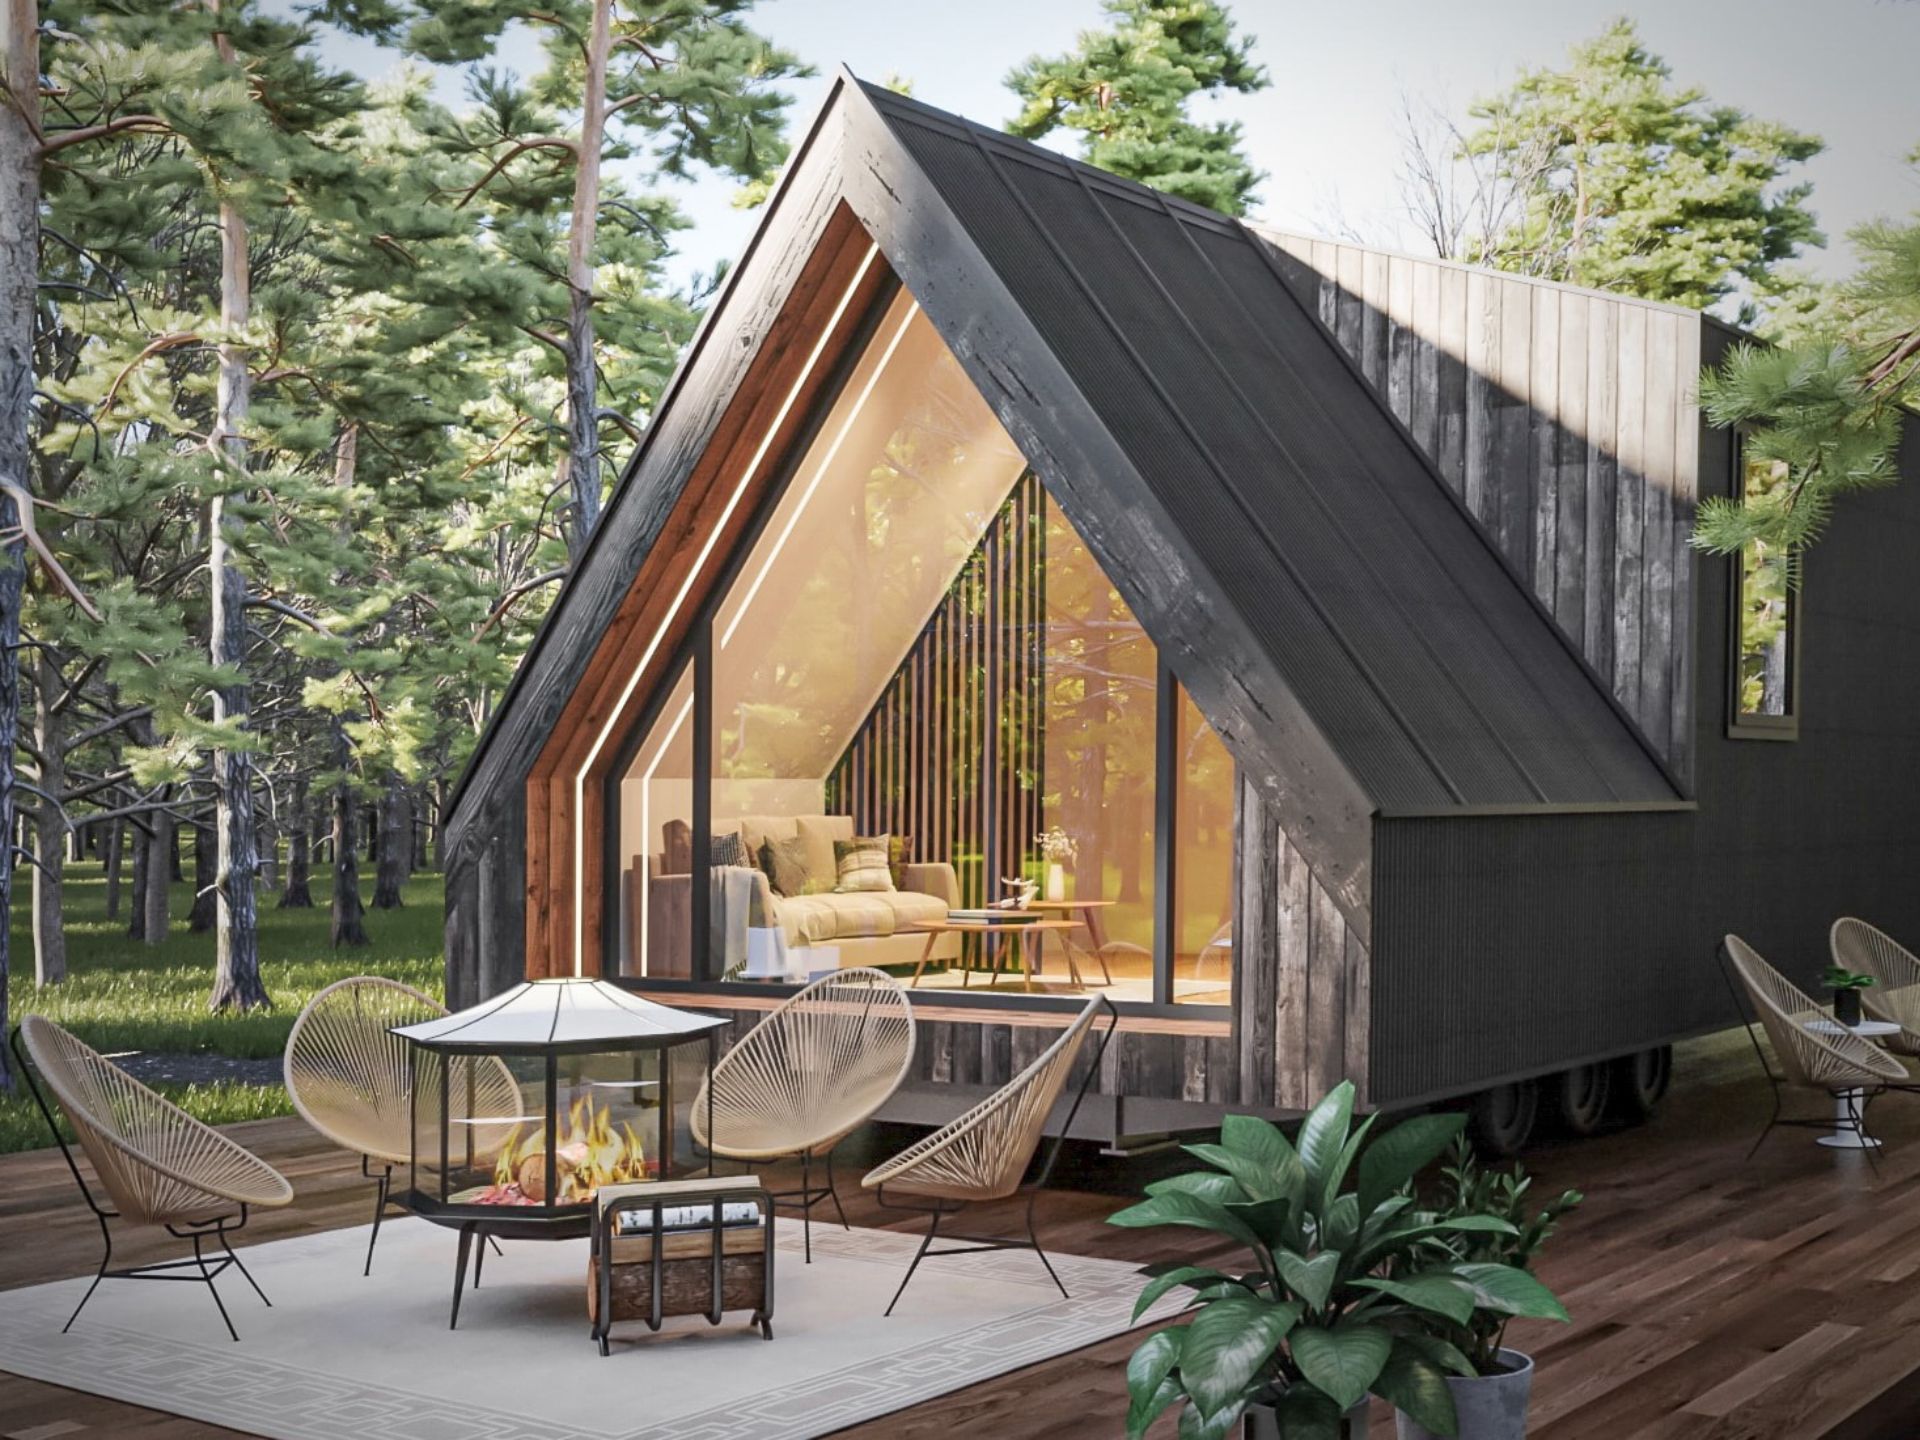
column 1848, row 1104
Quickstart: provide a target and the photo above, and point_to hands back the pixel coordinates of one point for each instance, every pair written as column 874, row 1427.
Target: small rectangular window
column 1765, row 658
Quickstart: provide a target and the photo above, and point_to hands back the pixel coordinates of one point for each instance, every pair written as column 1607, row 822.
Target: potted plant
column 1846, row 987
column 1059, row 850
column 1343, row 1287
column 1490, row 1400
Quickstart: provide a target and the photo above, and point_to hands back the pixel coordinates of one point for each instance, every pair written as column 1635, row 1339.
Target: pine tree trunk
column 269, row 845
column 201, row 916
column 115, row 850
column 176, row 872
column 582, row 460
column 19, row 280
column 440, row 824
column 348, row 925
column 389, row 870
column 139, row 845
column 50, row 832
column 298, row 894
column 153, row 928
column 236, row 984
column 415, row 854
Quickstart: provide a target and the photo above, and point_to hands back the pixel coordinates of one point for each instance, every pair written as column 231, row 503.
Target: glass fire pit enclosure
column 526, row 1104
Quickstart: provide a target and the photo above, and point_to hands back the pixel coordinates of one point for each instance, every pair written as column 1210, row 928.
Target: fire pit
column 526, row 1104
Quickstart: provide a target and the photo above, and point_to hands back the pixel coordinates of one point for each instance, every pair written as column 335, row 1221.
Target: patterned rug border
column 122, row 1368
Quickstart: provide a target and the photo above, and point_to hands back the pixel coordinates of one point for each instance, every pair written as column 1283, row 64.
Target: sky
column 1327, row 131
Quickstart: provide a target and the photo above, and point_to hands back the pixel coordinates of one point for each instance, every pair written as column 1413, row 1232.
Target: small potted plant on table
column 1490, row 1396
column 1059, row 850
column 1346, row 1280
column 1846, row 987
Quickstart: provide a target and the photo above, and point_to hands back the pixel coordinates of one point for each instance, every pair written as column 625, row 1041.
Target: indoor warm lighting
column 714, row 532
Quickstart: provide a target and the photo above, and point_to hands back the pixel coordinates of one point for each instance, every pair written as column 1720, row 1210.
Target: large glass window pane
column 902, row 481
column 1100, row 683
column 656, row 851
column 1203, row 873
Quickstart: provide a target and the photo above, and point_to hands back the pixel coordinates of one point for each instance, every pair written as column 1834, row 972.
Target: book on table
column 993, row 917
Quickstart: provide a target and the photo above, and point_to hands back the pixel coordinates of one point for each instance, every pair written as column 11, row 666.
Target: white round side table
column 1848, row 1103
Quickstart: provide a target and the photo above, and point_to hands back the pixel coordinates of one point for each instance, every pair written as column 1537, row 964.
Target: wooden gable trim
column 821, row 314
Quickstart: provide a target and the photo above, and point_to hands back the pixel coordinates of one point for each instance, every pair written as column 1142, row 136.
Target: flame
column 590, row 1153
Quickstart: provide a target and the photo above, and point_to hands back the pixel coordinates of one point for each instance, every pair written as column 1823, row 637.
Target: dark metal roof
column 1429, row 668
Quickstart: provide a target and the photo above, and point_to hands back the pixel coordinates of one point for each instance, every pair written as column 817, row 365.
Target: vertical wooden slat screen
column 953, row 752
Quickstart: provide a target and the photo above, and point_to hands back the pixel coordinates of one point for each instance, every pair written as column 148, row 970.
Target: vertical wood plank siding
column 1568, row 423
column 1301, row 1016
column 953, row 751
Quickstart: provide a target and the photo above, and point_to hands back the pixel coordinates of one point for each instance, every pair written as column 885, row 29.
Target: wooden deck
column 1713, row 1299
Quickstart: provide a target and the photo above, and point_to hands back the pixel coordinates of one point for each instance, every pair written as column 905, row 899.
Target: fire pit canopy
column 557, row 1017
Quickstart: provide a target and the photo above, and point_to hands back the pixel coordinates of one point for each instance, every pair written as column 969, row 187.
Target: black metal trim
column 1741, row 726
column 1166, row 763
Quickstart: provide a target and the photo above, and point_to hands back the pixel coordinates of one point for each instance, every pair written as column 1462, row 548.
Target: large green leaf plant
column 1353, row 1286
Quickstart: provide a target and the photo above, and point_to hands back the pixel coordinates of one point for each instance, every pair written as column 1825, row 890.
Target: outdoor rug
column 342, row 1357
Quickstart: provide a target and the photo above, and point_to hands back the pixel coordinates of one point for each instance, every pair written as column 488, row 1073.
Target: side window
column 1765, row 642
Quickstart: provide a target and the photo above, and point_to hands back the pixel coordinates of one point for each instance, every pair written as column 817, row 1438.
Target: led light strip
column 686, row 586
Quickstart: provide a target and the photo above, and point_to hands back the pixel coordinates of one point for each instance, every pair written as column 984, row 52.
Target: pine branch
column 539, row 142
column 62, row 139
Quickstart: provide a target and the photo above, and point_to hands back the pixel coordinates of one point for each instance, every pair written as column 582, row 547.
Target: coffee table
column 1086, row 910
column 1028, row 932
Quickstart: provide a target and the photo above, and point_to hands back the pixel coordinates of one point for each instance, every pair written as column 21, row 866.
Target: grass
column 123, row 995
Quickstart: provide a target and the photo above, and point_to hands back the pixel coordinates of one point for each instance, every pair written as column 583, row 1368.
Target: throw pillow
column 899, row 847
column 727, row 849
column 785, row 862
column 861, row 864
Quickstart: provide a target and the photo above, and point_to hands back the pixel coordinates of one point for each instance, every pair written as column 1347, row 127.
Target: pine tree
column 678, row 82
column 1621, row 180
column 1125, row 88
column 1827, row 405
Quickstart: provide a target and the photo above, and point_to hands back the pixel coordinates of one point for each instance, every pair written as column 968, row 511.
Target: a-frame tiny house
column 1462, row 841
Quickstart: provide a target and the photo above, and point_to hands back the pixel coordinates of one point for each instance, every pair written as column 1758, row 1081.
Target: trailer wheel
column 1500, row 1120
column 1580, row 1097
column 1640, row 1081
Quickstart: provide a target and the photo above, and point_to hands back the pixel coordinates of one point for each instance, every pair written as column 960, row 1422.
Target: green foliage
column 1126, row 88
column 1353, row 1287
column 1495, row 1264
column 123, row 996
column 1824, row 408
column 1624, row 181
column 1838, row 977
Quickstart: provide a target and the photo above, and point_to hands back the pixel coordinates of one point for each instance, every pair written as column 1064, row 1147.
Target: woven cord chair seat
column 347, row 1073
column 1812, row 1047
column 821, row 1063
column 983, row 1154
column 1894, row 995
column 159, row 1164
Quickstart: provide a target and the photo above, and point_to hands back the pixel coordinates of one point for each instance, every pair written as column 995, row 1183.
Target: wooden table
column 1029, row 947
column 1086, row 910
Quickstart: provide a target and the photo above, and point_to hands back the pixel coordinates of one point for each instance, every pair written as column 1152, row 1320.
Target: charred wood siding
column 1301, row 974
column 1567, row 422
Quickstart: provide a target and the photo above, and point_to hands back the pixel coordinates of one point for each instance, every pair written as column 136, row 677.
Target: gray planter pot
column 1263, row 1424
column 1490, row 1407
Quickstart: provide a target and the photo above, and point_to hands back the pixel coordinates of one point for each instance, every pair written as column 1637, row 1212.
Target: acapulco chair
column 157, row 1164
column 347, row 1077
column 983, row 1154
column 820, row 1064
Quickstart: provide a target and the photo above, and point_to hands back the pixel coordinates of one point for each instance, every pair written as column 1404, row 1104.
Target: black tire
column 1640, row 1082
column 1500, row 1120
column 1580, row 1097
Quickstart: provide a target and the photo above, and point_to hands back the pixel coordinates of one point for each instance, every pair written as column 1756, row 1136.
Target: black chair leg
column 1034, row 1238
column 806, row 1209
column 105, row 1261
column 384, row 1179
column 933, row 1229
column 213, row 1290
column 248, row 1274
column 1767, row 1129
column 834, row 1195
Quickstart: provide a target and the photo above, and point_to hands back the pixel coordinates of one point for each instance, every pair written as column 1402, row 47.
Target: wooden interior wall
column 953, row 751
column 1568, row 423
column 1301, row 1012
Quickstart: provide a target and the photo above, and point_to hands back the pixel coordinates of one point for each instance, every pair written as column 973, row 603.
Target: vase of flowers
column 1059, row 850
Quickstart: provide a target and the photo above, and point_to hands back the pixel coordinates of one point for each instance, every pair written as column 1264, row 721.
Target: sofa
column 866, row 928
